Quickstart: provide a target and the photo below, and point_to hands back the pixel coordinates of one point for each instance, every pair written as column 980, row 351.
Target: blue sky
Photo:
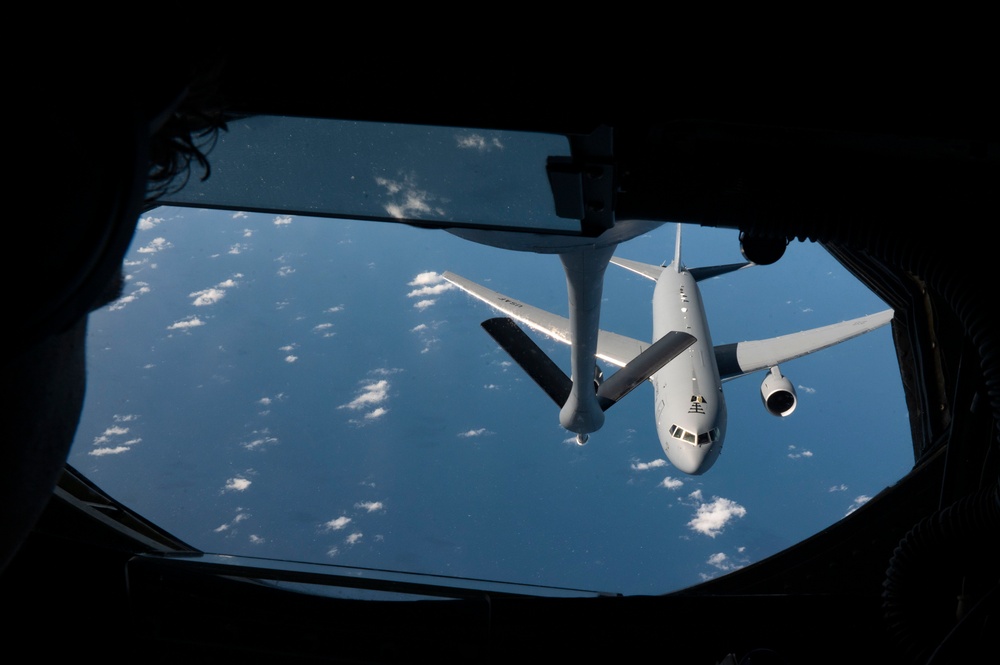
column 308, row 389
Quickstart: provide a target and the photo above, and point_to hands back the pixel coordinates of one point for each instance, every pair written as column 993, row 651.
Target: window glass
column 309, row 390
column 382, row 171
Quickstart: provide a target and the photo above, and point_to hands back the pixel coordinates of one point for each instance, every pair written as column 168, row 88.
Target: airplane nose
column 689, row 458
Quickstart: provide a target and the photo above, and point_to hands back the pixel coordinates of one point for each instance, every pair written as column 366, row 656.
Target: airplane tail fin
column 653, row 272
column 677, row 250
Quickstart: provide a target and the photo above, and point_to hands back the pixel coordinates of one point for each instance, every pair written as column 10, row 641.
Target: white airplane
column 686, row 369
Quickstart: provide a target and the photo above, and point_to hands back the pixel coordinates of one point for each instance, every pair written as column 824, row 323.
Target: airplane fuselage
column 689, row 405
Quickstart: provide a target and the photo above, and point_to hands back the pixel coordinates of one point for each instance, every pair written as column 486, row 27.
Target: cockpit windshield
column 700, row 439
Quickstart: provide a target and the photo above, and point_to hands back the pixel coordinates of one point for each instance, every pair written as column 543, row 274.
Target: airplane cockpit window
column 709, row 436
column 691, row 437
column 307, row 388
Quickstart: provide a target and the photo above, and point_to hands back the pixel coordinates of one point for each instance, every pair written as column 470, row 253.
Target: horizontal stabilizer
column 707, row 272
column 530, row 357
column 647, row 270
column 642, row 367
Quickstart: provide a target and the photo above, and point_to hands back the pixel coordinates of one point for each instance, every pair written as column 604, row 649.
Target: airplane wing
column 735, row 360
column 611, row 347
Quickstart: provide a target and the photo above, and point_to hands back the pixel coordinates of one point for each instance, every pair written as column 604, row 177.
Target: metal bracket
column 583, row 185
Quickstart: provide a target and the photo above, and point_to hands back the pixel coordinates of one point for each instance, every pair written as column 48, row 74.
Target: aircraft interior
column 900, row 194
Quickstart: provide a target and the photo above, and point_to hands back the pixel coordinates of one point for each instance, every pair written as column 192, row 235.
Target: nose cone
column 688, row 458
column 692, row 459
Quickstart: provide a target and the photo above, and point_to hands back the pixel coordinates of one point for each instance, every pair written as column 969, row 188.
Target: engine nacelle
column 778, row 394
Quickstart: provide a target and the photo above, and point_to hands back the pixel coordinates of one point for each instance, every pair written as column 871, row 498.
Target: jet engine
column 778, row 394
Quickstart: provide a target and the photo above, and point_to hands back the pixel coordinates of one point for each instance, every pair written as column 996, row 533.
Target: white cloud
column 104, row 444
column 263, row 439
column 283, row 220
column 324, row 329
column 711, row 518
column 407, row 199
column 371, row 393
column 468, row 434
column 147, row 223
column 671, row 483
column 858, row 502
column 432, row 290
column 207, row 296
column 237, row 484
column 377, row 413
column 426, row 278
column 370, row 506
column 290, row 358
column 478, row 142
column 720, row 560
column 354, row 538
column 796, row 454
column 427, row 336
column 838, row 488
column 155, row 245
column 808, row 391
column 645, row 466
column 429, row 284
column 337, row 524
column 101, row 452
column 190, row 322
column 724, row 563
column 240, row 516
column 142, row 288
